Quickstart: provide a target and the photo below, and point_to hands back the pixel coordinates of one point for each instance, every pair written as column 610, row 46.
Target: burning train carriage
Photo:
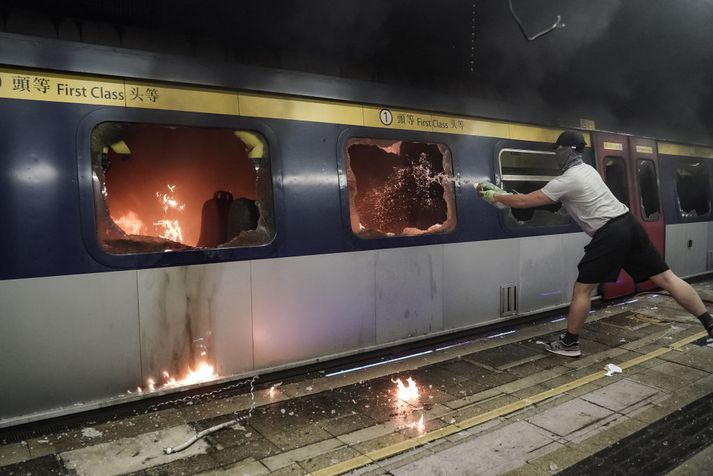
column 222, row 234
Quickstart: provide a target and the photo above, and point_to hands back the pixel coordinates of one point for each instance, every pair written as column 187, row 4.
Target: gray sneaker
column 559, row 347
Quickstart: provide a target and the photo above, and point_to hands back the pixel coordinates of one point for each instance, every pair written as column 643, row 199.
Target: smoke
column 638, row 66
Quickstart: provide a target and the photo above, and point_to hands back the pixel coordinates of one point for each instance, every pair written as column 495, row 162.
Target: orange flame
column 204, row 372
column 168, row 201
column 407, row 400
column 131, row 224
column 407, row 394
column 171, row 228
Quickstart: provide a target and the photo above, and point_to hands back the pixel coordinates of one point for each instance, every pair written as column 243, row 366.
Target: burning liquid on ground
column 407, row 403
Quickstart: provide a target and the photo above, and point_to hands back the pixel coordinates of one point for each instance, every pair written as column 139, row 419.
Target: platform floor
column 498, row 404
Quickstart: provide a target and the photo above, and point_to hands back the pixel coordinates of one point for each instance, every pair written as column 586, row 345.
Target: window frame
column 623, row 160
column 345, row 146
column 637, row 160
column 537, row 148
column 88, row 208
column 677, row 201
column 364, row 132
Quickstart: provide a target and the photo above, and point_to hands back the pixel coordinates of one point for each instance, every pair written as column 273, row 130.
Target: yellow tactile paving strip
column 403, row 446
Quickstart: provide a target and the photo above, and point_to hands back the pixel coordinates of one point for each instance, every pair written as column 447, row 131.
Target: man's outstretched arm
column 529, row 200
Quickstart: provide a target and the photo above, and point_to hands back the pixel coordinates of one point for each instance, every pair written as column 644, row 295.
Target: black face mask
column 567, row 157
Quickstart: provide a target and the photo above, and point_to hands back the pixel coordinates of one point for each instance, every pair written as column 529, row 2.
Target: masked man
column 618, row 239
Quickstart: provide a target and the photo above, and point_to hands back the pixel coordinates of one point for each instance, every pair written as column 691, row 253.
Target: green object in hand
column 488, row 195
column 489, row 186
column 488, row 191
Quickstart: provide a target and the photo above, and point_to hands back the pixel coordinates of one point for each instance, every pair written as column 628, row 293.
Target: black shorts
column 621, row 243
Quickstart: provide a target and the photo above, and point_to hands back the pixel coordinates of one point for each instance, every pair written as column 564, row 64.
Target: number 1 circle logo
column 386, row 117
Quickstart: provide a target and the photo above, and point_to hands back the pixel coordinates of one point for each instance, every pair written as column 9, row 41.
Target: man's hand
column 488, row 195
column 489, row 192
column 483, row 186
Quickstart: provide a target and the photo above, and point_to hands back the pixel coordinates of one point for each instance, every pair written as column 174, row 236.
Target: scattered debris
column 198, row 436
column 91, row 433
column 612, row 369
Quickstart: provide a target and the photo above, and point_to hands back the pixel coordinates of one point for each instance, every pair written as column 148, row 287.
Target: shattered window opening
column 399, row 188
column 648, row 190
column 692, row 189
column 616, row 178
column 524, row 171
column 160, row 188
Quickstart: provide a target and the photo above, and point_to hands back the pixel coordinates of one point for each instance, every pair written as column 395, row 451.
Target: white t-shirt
column 585, row 196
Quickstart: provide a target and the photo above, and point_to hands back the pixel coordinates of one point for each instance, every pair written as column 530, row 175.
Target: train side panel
column 686, row 189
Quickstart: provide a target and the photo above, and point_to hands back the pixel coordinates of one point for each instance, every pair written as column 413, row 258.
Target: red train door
column 646, row 195
column 629, row 166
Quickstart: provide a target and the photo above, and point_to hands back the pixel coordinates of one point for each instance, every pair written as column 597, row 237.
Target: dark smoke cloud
column 636, row 66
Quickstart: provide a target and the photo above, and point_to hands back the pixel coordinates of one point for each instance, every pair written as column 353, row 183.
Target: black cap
column 571, row 139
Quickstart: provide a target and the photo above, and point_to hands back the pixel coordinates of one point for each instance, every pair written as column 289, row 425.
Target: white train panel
column 685, row 260
column 541, row 258
column 473, row 275
column 68, row 339
column 312, row 306
column 409, row 292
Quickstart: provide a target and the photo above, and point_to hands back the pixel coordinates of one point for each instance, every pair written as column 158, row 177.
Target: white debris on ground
column 612, row 369
column 90, row 432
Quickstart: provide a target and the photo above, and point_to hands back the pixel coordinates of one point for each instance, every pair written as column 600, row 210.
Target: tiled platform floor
column 490, row 406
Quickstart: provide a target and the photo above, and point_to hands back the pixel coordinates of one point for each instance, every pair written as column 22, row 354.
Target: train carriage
column 167, row 224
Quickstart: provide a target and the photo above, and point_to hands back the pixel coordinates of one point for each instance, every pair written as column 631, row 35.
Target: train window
column 692, row 188
column 648, row 189
column 616, row 178
column 172, row 188
column 399, row 188
column 524, row 171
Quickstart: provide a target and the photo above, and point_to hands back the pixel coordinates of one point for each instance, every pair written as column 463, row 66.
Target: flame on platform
column 419, row 425
column 406, row 393
column 406, row 404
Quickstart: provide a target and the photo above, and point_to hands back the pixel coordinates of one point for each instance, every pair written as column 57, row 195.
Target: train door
column 629, row 168
column 646, row 195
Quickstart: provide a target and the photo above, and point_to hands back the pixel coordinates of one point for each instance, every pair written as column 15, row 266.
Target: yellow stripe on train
column 81, row 89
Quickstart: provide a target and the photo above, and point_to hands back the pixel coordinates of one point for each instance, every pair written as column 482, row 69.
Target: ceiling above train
column 637, row 66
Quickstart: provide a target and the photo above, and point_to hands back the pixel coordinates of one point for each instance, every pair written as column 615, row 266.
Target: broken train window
column 692, row 189
column 399, row 188
column 524, row 171
column 616, row 178
column 648, row 189
column 164, row 188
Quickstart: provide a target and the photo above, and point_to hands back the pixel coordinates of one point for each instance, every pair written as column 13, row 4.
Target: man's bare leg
column 579, row 309
column 686, row 296
column 682, row 292
column 567, row 344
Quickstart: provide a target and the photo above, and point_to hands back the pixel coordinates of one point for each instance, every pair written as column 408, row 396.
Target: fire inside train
column 164, row 233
